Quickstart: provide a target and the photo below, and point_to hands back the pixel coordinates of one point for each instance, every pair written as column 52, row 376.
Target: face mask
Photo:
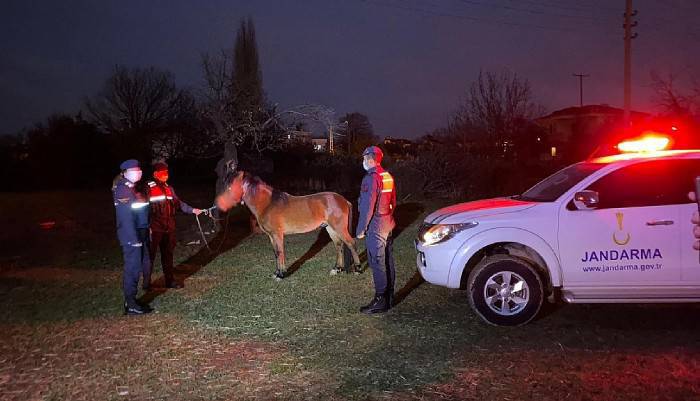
column 161, row 176
column 365, row 165
column 133, row 175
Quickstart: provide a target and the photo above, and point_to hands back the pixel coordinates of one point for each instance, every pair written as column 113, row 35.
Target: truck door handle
column 660, row 223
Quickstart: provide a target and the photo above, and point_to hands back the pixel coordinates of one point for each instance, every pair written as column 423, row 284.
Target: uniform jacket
column 377, row 201
column 126, row 206
column 164, row 203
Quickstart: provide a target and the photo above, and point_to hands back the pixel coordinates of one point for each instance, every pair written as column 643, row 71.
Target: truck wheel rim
column 506, row 293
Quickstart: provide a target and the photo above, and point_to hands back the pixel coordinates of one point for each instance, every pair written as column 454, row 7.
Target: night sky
column 405, row 64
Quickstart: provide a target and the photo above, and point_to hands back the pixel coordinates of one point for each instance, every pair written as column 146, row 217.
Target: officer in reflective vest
column 164, row 203
column 127, row 207
column 377, row 203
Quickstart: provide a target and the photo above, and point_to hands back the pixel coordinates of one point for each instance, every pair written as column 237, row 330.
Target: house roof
column 591, row 110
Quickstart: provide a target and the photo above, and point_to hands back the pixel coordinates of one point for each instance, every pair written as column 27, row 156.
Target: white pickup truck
column 614, row 229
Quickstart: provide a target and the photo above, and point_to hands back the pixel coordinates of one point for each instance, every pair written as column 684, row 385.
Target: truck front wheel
column 505, row 291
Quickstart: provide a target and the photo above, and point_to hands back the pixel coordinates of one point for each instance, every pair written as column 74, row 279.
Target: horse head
column 233, row 192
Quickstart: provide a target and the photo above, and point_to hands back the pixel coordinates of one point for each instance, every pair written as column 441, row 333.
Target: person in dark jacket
column 164, row 203
column 143, row 230
column 128, row 208
column 376, row 222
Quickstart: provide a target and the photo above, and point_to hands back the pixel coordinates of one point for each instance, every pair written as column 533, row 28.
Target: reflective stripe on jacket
column 377, row 198
column 164, row 203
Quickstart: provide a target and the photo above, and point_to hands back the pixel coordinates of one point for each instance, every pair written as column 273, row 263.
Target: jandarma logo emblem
column 620, row 216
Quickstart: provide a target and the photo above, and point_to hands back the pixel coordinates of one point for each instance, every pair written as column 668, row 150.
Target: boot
column 379, row 304
column 137, row 309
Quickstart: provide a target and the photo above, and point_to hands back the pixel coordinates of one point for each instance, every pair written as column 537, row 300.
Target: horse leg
column 277, row 240
column 339, row 262
column 345, row 237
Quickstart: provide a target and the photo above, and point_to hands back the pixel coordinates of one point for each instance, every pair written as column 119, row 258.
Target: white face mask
column 133, row 175
column 365, row 165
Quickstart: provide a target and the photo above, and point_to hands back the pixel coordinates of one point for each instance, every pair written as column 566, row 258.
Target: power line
column 529, row 11
column 470, row 18
column 558, row 4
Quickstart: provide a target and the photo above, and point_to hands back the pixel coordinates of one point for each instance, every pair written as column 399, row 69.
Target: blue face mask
column 133, row 175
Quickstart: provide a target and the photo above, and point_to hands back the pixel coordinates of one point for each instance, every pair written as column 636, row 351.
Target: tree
column 356, row 133
column 141, row 105
column 234, row 100
column 235, row 105
column 496, row 110
column 247, row 83
column 671, row 99
column 68, row 151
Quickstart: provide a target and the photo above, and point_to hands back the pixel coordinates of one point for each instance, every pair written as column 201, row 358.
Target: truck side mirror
column 586, row 200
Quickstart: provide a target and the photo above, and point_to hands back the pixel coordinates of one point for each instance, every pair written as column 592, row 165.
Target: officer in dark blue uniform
column 377, row 203
column 127, row 206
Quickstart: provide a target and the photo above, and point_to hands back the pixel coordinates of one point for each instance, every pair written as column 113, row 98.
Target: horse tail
column 347, row 255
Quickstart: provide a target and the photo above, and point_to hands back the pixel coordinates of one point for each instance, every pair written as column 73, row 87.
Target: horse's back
column 309, row 211
column 330, row 199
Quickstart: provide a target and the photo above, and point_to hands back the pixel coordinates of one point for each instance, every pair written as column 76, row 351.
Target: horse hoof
column 335, row 271
column 279, row 275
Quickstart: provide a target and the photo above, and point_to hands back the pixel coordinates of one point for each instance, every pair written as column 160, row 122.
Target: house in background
column 574, row 133
column 320, row 144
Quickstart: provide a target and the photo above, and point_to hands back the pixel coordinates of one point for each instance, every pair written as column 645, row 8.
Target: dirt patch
column 196, row 286
column 140, row 358
column 61, row 274
column 570, row 375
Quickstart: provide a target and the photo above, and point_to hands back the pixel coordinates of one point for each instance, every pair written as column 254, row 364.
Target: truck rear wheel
column 505, row 291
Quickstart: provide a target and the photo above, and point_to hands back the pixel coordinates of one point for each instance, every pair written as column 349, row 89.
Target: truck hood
column 478, row 208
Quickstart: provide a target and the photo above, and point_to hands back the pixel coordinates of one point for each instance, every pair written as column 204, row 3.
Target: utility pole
column 628, row 25
column 580, row 87
column 330, row 138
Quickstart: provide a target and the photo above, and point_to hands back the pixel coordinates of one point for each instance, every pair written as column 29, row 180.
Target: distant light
column 554, row 151
column 649, row 143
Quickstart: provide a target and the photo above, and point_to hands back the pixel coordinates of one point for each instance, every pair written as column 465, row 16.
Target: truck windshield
column 554, row 186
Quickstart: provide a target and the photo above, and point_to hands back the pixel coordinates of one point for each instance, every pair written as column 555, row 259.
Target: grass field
column 235, row 333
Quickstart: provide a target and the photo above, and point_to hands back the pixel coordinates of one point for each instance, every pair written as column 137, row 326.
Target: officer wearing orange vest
column 164, row 203
column 377, row 203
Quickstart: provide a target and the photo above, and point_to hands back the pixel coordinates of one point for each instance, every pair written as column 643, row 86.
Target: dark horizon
column 403, row 64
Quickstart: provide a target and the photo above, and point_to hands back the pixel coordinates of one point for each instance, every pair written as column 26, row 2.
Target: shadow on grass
column 414, row 282
column 235, row 230
column 405, row 215
column 321, row 241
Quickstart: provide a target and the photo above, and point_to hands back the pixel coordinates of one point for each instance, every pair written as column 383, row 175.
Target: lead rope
column 196, row 217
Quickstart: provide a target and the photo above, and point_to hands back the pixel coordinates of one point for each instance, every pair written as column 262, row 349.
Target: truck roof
column 662, row 154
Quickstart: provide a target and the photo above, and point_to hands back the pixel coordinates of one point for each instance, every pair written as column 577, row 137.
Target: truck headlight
column 431, row 234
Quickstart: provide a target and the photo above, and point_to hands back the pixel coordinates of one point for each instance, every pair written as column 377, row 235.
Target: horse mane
column 254, row 183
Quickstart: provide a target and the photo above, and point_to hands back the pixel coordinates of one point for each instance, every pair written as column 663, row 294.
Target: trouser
column 133, row 266
column 165, row 241
column 380, row 256
column 144, row 236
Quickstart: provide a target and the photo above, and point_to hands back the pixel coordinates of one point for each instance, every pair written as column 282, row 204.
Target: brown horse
column 279, row 213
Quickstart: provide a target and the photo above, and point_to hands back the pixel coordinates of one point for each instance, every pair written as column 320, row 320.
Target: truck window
column 649, row 183
column 554, row 186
